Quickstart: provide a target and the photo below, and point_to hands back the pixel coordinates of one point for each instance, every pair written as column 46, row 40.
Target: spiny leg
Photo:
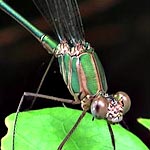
column 72, row 130
column 42, row 80
column 27, row 94
column 112, row 135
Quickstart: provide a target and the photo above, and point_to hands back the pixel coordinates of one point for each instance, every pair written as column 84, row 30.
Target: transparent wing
column 65, row 16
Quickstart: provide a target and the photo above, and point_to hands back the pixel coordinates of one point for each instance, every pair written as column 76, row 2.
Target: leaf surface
column 44, row 129
column 145, row 122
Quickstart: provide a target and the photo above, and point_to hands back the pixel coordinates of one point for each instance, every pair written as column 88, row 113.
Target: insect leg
column 111, row 135
column 72, row 130
column 42, row 80
column 28, row 94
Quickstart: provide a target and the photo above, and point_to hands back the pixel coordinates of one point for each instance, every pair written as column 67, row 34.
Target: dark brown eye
column 99, row 107
column 122, row 96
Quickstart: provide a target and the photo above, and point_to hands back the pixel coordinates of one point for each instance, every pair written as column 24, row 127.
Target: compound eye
column 125, row 99
column 99, row 107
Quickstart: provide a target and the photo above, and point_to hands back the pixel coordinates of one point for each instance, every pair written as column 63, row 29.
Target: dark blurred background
column 119, row 30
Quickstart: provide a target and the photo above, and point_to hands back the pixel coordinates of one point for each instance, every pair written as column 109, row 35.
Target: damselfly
column 79, row 65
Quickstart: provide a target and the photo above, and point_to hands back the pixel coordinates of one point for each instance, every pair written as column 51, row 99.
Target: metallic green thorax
column 83, row 74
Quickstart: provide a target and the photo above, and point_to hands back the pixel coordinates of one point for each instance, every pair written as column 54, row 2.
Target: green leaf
column 145, row 122
column 45, row 129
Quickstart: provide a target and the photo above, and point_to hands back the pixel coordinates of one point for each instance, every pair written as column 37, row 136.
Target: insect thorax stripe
column 101, row 72
column 75, row 78
column 93, row 83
